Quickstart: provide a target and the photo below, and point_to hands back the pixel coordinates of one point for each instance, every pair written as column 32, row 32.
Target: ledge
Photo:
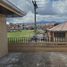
column 10, row 9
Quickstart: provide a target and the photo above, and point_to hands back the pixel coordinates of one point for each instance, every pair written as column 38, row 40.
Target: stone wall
column 3, row 36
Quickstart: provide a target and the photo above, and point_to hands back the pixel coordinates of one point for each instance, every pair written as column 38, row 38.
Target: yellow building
column 7, row 9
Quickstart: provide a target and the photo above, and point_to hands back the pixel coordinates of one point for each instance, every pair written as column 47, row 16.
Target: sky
column 48, row 10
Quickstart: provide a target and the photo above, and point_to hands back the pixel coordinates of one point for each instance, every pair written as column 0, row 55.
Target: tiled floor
column 40, row 59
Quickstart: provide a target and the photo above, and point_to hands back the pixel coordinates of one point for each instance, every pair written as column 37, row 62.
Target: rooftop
column 60, row 27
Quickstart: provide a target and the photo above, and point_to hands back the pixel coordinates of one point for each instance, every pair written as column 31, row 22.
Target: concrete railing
column 31, row 39
column 38, row 46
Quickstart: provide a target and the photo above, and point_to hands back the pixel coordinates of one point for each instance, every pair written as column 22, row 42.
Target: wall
column 65, row 36
column 3, row 36
column 37, row 47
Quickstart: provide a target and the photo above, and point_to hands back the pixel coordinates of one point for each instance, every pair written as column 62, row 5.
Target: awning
column 10, row 9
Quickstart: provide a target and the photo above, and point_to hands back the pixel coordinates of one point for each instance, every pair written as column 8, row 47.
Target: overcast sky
column 48, row 10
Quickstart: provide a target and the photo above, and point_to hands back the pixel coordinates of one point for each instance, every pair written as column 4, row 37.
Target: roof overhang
column 10, row 9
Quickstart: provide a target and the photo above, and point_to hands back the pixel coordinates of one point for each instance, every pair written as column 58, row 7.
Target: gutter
column 11, row 7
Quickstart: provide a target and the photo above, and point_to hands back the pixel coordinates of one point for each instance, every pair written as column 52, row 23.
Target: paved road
column 41, row 59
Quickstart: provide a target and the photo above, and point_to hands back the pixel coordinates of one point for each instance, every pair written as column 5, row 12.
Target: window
column 59, row 34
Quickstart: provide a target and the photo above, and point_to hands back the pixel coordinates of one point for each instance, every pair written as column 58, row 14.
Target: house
column 47, row 26
column 58, row 33
column 7, row 9
column 14, row 27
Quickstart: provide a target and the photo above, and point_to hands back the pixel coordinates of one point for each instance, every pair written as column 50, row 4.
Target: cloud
column 29, row 18
column 59, row 7
column 46, row 7
column 49, row 10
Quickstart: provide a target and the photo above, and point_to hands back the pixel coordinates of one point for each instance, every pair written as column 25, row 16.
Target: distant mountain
column 45, row 22
column 40, row 22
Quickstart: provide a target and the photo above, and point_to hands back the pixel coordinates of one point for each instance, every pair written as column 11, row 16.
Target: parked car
column 39, row 37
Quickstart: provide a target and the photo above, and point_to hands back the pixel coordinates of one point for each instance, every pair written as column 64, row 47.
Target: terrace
column 24, row 43
column 20, row 51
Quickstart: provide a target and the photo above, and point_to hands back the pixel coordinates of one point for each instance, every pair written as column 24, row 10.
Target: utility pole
column 35, row 25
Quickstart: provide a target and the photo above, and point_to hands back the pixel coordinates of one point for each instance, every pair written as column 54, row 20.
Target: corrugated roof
column 60, row 27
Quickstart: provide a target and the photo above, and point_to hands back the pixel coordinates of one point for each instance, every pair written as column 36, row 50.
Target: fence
column 25, row 44
column 28, row 39
column 18, row 40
